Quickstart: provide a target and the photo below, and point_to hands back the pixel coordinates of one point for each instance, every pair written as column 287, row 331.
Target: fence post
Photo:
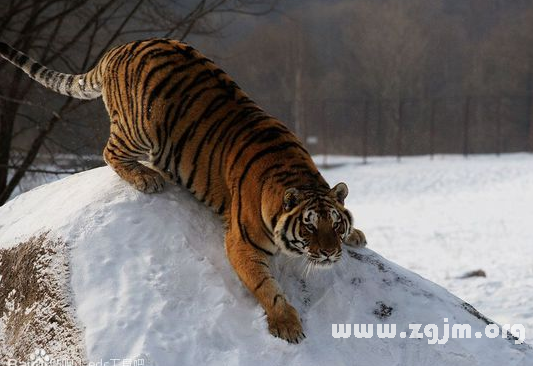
column 325, row 134
column 465, row 126
column 432, row 130
column 365, row 130
column 399, row 134
column 499, row 127
column 379, row 134
column 531, row 129
column 529, row 88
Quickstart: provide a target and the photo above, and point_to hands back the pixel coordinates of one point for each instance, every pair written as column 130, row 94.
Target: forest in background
column 358, row 77
column 395, row 77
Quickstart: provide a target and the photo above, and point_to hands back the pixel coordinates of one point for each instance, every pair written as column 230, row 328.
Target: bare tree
column 504, row 64
column 71, row 35
column 387, row 46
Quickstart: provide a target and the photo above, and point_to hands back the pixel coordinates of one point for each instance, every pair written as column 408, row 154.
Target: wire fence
column 415, row 126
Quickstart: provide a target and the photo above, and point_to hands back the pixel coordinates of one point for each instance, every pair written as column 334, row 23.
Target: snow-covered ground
column 444, row 217
column 150, row 280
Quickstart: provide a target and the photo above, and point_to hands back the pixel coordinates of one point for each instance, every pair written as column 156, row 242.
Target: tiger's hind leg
column 124, row 162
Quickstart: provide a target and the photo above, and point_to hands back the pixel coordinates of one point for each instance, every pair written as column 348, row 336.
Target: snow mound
column 149, row 280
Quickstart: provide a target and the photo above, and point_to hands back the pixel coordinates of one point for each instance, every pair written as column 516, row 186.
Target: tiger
column 176, row 116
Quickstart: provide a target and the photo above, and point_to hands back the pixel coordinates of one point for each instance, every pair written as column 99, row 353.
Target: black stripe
column 68, row 85
column 283, row 177
column 123, row 144
column 199, row 78
column 257, row 156
column 248, row 126
column 222, row 207
column 215, row 104
column 150, row 43
column 153, row 71
column 134, row 46
column 214, row 127
column 178, row 113
column 286, row 224
column 247, row 239
column 22, row 59
column 47, row 75
column 129, row 80
column 244, row 100
column 58, row 81
column 175, row 87
column 262, row 136
column 269, row 169
column 264, row 226
column 117, row 152
column 156, row 91
column 236, row 122
column 292, row 182
column 187, row 51
column 117, row 64
column 261, row 263
column 160, row 139
column 268, row 151
column 262, row 282
column 35, row 68
column 167, row 135
column 275, row 218
column 137, row 108
column 190, row 131
column 187, row 107
column 294, row 224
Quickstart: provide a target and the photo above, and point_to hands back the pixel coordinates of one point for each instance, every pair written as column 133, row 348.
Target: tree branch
column 30, row 156
column 31, row 104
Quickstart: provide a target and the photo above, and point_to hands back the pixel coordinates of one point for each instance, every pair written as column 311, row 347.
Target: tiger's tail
column 82, row 86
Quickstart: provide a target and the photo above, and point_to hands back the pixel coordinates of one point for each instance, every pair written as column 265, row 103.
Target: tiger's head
column 315, row 225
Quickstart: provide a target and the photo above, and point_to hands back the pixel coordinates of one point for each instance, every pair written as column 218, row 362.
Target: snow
column 37, row 302
column 150, row 280
column 449, row 216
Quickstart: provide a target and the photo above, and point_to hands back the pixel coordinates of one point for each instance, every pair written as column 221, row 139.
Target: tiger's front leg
column 252, row 267
column 356, row 238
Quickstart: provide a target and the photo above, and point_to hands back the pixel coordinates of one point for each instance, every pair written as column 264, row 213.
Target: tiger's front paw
column 356, row 239
column 147, row 180
column 285, row 323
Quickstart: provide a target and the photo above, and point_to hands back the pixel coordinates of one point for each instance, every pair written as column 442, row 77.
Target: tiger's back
column 169, row 102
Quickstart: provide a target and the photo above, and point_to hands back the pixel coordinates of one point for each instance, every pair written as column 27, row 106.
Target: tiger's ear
column 339, row 192
column 291, row 199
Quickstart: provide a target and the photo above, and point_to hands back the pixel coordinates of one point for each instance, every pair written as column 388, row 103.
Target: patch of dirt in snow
column 35, row 303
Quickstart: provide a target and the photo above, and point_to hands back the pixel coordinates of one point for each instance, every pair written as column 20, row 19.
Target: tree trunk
column 32, row 153
column 6, row 130
column 7, row 123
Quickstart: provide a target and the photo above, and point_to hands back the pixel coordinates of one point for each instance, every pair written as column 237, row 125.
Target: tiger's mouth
column 322, row 261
